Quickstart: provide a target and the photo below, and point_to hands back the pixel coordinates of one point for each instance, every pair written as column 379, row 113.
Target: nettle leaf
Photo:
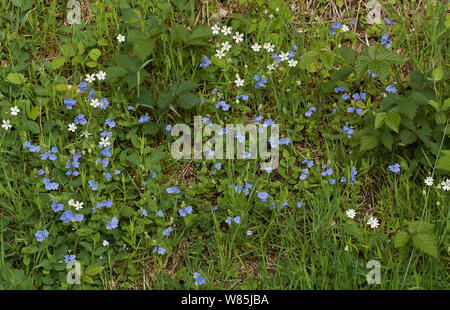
column 33, row 127
column 393, row 121
column 369, row 142
column 115, row 72
column 16, row 78
column 180, row 32
column 146, row 98
column 327, row 59
column 379, row 119
column 444, row 160
column 309, row 58
column 143, row 48
column 387, row 140
column 400, row 239
column 378, row 60
column 165, row 100
column 93, row 270
column 407, row 137
column 426, row 243
column 187, row 101
column 415, row 227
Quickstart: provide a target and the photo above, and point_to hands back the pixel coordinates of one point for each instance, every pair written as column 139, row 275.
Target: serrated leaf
column 400, row 239
column 415, row 227
column 426, row 243
column 387, row 140
column 393, row 121
column 438, row 74
column 341, row 74
column 165, row 100
column 183, row 87
column 368, row 142
column 379, row 119
column 327, row 59
column 187, row 101
column 33, row 127
column 347, row 54
column 407, row 137
column 16, row 78
column 151, row 128
column 200, row 35
column 143, row 48
column 446, row 105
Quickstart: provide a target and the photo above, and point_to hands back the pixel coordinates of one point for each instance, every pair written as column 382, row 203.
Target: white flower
column 373, row 222
column 220, row 54
column 284, row 56
column 268, row 47
column 350, row 213
column 85, row 134
column 346, row 248
column 238, row 37
column 345, row 28
column 14, row 111
column 120, row 38
column 256, row 47
column 6, row 124
column 239, row 82
column 101, row 75
column 446, row 185
column 105, row 243
column 226, row 30
column 104, row 141
column 95, row 103
column 90, row 78
column 71, row 202
column 72, row 127
column 271, row 66
column 429, row 181
column 215, row 29
column 226, row 46
column 78, row 205
column 292, row 62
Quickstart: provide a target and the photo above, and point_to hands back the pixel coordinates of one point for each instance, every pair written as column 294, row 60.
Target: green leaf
column 58, row 62
column 417, row 226
column 93, row 270
column 151, row 128
column 446, row 105
column 187, row 101
column 165, row 100
column 341, row 74
column 183, row 87
column 440, row 117
column 434, row 104
column 368, row 142
column 347, row 54
column 438, row 74
column 143, row 48
column 84, row 231
column 34, row 112
column 127, row 211
column 16, row 78
column 387, row 140
column 393, row 121
column 309, row 58
column 400, row 239
column 33, row 127
column 94, row 54
column 444, row 160
column 327, row 59
column 200, row 35
column 146, row 98
column 426, row 243
column 407, row 137
column 379, row 119
column 180, row 32
column 115, row 72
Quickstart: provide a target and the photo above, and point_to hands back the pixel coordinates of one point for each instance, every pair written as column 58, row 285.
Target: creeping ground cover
column 329, row 167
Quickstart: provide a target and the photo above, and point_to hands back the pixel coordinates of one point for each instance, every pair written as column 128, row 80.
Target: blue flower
column 391, row 89
column 92, row 184
column 339, row 89
column 110, row 123
column 205, row 62
column 107, row 175
column 169, row 127
column 259, row 81
column 336, row 25
column 80, row 119
column 276, row 58
column 394, row 168
column 130, row 107
column 332, row 181
column 299, row 204
column 160, row 213
column 69, row 258
column 218, row 166
column 263, row 196
column 174, row 189
column 353, row 174
column 69, row 102
column 167, row 231
column 331, row 31
column 185, row 211
column 199, row 280
column 345, row 96
column 66, row 217
column 112, row 224
column 41, row 172
column 57, row 206
column 143, row 119
column 41, row 235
